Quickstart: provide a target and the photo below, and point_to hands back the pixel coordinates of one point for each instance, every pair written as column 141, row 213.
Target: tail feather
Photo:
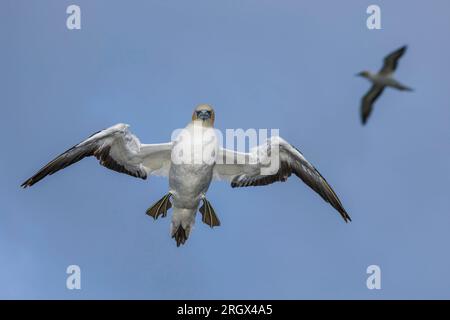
column 182, row 223
column 402, row 87
column 180, row 235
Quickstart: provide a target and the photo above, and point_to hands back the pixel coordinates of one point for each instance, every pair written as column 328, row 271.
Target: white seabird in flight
column 118, row 149
column 384, row 78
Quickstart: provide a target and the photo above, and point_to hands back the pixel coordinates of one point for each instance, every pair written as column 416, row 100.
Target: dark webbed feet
column 160, row 208
column 208, row 214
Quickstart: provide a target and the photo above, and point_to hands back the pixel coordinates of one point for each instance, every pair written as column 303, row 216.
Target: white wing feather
column 253, row 169
column 117, row 149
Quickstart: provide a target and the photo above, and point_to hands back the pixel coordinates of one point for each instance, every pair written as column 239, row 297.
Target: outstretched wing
column 271, row 162
column 391, row 61
column 368, row 100
column 117, row 149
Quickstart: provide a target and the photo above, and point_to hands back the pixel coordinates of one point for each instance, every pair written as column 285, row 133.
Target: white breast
column 193, row 159
column 195, row 145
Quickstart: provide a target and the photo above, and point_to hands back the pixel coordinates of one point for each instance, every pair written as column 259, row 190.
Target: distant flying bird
column 118, row 149
column 384, row 78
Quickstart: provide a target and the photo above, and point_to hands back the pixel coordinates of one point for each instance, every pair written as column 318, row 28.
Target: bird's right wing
column 368, row 101
column 117, row 149
column 271, row 162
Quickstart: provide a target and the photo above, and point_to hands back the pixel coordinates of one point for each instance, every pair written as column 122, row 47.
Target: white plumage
column 191, row 162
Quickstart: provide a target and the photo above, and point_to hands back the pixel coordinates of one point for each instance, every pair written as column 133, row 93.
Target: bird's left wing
column 273, row 161
column 117, row 149
column 390, row 62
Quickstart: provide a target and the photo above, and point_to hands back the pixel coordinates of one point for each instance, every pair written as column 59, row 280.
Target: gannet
column 384, row 78
column 191, row 162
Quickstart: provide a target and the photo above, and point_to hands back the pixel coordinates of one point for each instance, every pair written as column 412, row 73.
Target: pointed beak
column 204, row 115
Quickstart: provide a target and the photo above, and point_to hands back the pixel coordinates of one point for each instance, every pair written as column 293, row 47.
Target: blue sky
column 261, row 64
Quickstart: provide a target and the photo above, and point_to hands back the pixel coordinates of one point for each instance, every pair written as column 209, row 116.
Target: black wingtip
column 402, row 49
column 345, row 216
column 348, row 219
column 26, row 184
column 364, row 120
column 343, row 213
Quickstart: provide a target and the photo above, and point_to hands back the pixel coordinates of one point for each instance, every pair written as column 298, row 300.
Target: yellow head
column 364, row 74
column 205, row 114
